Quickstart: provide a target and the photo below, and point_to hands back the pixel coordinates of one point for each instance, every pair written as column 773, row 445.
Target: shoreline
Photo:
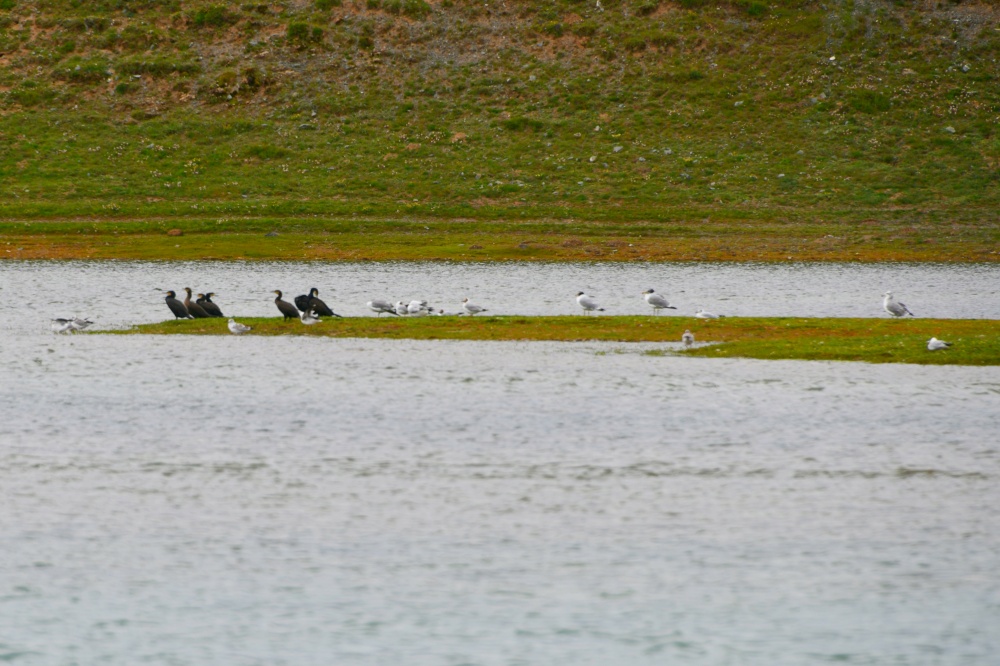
column 292, row 239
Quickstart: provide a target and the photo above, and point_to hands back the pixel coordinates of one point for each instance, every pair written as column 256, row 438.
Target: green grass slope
column 618, row 110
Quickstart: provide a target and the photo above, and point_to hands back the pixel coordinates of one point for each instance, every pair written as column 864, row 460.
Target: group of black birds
column 307, row 306
column 201, row 308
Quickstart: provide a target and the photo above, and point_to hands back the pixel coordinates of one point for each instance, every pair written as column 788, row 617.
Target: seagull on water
column 687, row 338
column 587, row 303
column 702, row 314
column 472, row 308
column 379, row 306
column 934, row 344
column 894, row 307
column 656, row 301
column 236, row 328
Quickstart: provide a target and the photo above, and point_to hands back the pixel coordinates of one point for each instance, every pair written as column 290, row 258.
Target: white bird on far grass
column 702, row 314
column 472, row 308
column 587, row 303
column 934, row 344
column 894, row 307
column 687, row 338
column 379, row 306
column 656, row 301
column 236, row 328
column 309, row 317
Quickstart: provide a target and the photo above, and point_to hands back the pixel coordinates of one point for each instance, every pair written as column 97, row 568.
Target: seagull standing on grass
column 472, row 308
column 309, row 317
column 656, row 301
column 236, row 328
column 587, row 303
column 379, row 306
column 894, row 307
column 418, row 308
column 78, row 324
column 934, row 344
column 62, row 326
column 687, row 338
column 702, row 314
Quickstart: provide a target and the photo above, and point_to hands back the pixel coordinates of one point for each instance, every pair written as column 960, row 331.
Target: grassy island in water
column 975, row 341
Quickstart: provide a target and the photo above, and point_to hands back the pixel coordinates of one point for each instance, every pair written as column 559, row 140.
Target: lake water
column 293, row 501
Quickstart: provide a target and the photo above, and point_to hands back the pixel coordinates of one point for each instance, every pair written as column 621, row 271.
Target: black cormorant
column 180, row 312
column 196, row 310
column 288, row 310
column 205, row 301
column 312, row 302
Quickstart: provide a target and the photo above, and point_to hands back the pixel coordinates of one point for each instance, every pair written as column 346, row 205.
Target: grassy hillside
column 618, row 110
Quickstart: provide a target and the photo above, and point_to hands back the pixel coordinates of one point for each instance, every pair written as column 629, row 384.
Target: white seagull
column 236, row 328
column 379, row 306
column 78, row 324
column 62, row 326
column 472, row 308
column 894, row 307
column 934, row 344
column 701, row 314
column 309, row 317
column 687, row 338
column 656, row 301
column 401, row 308
column 418, row 308
column 587, row 303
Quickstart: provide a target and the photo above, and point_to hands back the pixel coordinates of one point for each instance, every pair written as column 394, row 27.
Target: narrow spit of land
column 975, row 342
column 686, row 238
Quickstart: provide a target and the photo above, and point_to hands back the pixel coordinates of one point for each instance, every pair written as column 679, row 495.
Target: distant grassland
column 360, row 239
column 726, row 117
column 976, row 342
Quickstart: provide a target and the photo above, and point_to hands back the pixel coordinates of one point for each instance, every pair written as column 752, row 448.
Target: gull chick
column 236, row 328
column 934, row 344
column 656, row 301
column 687, row 338
column 587, row 303
column 472, row 308
column 894, row 307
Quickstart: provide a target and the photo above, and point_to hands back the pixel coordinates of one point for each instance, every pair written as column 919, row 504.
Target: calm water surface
column 230, row 501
